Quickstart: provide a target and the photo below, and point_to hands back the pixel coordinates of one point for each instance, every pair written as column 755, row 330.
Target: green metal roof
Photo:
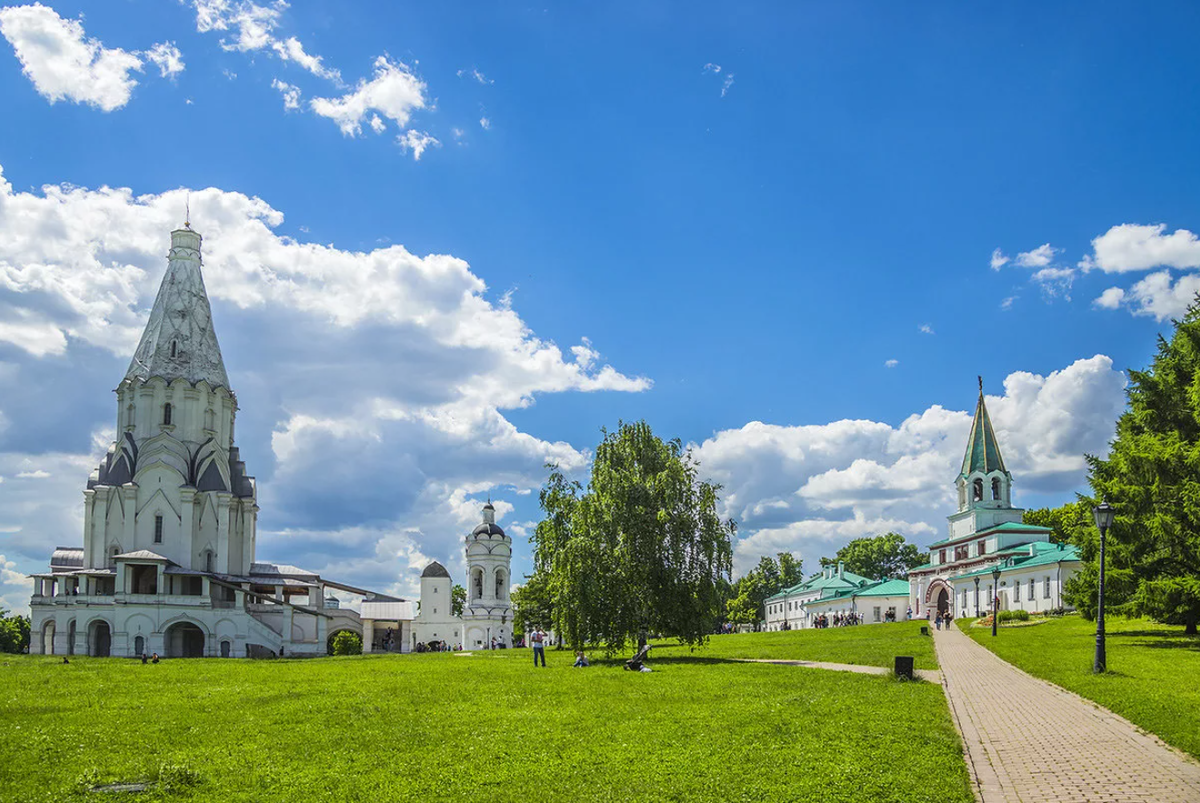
column 1047, row 555
column 882, row 588
column 819, row 582
column 1006, row 527
column 983, row 452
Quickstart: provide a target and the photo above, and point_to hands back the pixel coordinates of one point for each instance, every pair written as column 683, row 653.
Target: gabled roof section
column 983, row 451
column 142, row 554
column 179, row 340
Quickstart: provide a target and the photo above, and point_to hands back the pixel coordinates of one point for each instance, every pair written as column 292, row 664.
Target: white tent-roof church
column 168, row 560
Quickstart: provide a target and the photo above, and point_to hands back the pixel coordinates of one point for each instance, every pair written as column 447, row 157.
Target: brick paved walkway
column 1031, row 741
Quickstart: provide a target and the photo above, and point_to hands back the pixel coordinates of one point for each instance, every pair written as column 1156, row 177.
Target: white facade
column 436, row 621
column 168, row 558
column 487, row 614
column 988, row 532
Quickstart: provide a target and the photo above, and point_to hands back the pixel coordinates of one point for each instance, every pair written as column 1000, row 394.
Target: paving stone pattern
column 1030, row 741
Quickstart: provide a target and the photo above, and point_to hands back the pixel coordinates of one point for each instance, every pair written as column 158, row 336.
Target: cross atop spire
column 983, row 450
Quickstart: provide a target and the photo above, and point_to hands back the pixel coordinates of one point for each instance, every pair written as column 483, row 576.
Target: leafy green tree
column 1152, row 476
column 532, row 606
column 746, row 603
column 791, row 570
column 641, row 550
column 346, row 642
column 878, row 557
column 14, row 632
column 744, row 606
column 458, row 598
column 1065, row 520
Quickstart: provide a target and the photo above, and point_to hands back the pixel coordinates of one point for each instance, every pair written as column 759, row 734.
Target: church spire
column 179, row 340
column 983, row 450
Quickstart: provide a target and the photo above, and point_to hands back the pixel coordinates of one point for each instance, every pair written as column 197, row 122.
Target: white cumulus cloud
column 1130, row 247
column 394, row 91
column 63, row 63
column 291, row 93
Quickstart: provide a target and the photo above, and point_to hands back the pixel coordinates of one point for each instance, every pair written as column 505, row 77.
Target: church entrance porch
column 184, row 640
column 99, row 639
column 943, row 602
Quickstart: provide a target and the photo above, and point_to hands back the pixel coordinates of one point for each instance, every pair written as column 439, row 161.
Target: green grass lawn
column 1154, row 670
column 483, row 727
column 867, row 645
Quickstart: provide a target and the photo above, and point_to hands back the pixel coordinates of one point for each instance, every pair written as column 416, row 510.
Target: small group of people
column 436, row 646
column 943, row 618
column 838, row 620
column 497, row 644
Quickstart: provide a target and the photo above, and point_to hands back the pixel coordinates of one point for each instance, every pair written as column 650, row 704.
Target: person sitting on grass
column 637, row 662
column 581, row 660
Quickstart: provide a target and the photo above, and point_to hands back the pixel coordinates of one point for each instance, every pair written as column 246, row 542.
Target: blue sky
column 790, row 234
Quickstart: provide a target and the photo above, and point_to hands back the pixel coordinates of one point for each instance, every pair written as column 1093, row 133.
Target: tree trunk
column 1190, row 628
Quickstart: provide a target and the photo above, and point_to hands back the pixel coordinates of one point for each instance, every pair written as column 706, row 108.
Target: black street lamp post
column 995, row 597
column 1104, row 514
column 976, row 597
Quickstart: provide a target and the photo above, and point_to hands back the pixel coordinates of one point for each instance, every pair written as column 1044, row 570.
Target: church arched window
column 996, row 488
column 113, row 551
column 477, row 583
column 173, row 348
column 167, row 413
column 978, row 489
column 158, row 524
column 499, row 584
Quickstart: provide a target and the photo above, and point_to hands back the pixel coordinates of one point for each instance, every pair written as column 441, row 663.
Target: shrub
column 1015, row 615
column 346, row 643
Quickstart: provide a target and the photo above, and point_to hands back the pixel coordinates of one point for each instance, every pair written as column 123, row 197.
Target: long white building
column 168, row 560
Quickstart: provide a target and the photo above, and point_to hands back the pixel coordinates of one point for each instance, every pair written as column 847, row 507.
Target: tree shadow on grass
column 668, row 660
column 1191, row 644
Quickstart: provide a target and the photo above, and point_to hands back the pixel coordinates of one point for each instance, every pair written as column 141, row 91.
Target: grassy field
column 482, row 727
column 867, row 645
column 1154, row 670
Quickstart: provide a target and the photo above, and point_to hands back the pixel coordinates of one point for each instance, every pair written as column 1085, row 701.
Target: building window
column 174, row 344
column 167, row 413
column 941, row 556
column 158, row 529
column 996, row 488
column 209, row 561
column 113, row 551
column 981, row 548
column 978, row 489
column 1046, row 589
column 1030, row 597
column 877, row 612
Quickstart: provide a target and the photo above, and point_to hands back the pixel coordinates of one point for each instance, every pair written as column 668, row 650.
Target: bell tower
column 488, row 612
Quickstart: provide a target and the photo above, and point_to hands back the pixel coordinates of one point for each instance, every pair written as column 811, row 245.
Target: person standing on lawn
column 538, row 639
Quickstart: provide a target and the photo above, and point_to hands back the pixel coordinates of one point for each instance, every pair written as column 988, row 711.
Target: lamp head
column 1104, row 513
column 996, row 573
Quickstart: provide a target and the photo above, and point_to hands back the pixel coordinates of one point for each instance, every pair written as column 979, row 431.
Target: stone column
column 90, row 558
column 368, row 636
column 187, row 498
column 223, row 500
column 129, row 498
column 288, row 614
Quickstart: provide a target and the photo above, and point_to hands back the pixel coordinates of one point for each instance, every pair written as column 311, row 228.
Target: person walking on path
column 938, row 621
column 539, row 646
